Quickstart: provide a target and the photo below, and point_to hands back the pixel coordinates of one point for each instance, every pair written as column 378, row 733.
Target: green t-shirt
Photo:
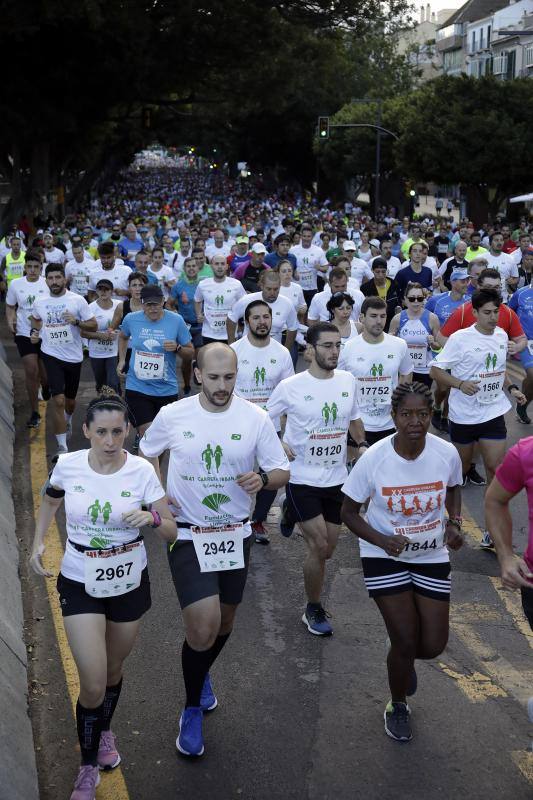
column 205, row 272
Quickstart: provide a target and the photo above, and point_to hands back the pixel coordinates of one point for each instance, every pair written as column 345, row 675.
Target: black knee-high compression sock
column 195, row 665
column 217, row 646
column 112, row 693
column 89, row 725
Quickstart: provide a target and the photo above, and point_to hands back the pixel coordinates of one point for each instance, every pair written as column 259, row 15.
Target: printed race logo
column 376, row 369
column 214, row 501
column 96, row 509
column 260, row 376
column 490, row 361
column 212, row 458
column 329, row 413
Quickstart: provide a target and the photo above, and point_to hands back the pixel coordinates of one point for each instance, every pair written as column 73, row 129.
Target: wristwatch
column 264, row 477
column 364, row 443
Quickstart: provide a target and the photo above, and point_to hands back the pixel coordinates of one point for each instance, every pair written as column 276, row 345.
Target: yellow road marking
column 112, row 786
column 512, row 603
column 524, row 761
column 471, row 528
column 476, row 687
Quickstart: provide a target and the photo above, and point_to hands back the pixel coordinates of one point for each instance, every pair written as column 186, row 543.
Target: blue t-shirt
column 147, row 337
column 181, row 290
column 443, row 306
column 522, row 302
column 130, row 250
column 408, row 275
column 272, row 260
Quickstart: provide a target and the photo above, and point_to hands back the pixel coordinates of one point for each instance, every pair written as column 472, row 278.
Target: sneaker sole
column 109, row 767
column 392, row 736
column 523, row 421
column 211, row 708
column 315, row 633
column 186, row 752
column 262, row 540
column 488, row 547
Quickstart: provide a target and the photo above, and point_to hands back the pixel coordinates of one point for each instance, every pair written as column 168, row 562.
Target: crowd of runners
column 268, row 344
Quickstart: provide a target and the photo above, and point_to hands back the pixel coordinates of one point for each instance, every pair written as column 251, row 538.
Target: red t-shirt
column 516, row 473
column 463, row 317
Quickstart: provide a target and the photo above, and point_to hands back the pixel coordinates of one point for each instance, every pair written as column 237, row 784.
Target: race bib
column 106, row 348
column 216, row 319
column 423, row 540
column 80, row 285
column 418, row 353
column 326, row 447
column 109, row 573
column 374, row 391
column 59, row 333
column 490, row 387
column 149, row 366
column 306, row 277
column 219, row 549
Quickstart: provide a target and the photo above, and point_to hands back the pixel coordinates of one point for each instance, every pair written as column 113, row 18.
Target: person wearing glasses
column 321, row 407
column 418, row 327
column 379, row 362
column 340, row 306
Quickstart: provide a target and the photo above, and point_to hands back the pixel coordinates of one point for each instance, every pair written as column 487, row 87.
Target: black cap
column 379, row 262
column 104, row 283
column 151, row 292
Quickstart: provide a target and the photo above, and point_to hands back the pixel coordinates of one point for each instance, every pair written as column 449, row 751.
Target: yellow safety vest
column 14, row 267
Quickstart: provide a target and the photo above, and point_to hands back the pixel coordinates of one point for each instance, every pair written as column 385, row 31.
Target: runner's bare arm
column 514, row 570
column 47, row 512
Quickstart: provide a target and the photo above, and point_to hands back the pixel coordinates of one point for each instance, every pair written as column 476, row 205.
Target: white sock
column 61, row 439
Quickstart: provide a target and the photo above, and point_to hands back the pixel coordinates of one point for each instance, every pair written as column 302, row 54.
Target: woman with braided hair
column 103, row 582
column 411, row 479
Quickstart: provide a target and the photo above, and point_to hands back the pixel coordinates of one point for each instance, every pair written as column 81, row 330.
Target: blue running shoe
column 316, row 621
column 208, row 700
column 190, row 741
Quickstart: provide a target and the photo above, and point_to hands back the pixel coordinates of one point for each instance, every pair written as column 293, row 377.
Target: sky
column 437, row 5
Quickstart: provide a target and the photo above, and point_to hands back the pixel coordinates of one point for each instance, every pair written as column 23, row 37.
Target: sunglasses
column 417, row 299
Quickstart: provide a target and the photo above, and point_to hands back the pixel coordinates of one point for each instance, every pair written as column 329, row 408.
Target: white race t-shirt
column 23, row 294
column 406, row 496
column 360, row 270
column 94, row 504
column 218, row 298
column 59, row 339
column 118, row 277
column 54, row 256
column 283, row 313
column 207, row 452
column 318, row 310
column 471, row 355
column 78, row 275
column 376, row 368
column 295, row 294
column 103, row 316
column 319, row 412
column 308, row 259
column 393, row 265
column 505, row 265
column 164, row 276
column 260, row 369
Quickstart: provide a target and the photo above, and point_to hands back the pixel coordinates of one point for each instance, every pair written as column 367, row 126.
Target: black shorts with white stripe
column 386, row 576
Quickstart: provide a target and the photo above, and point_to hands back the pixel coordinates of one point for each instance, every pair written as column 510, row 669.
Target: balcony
column 499, row 64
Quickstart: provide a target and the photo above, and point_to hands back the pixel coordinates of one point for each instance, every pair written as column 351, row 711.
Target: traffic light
column 323, row 127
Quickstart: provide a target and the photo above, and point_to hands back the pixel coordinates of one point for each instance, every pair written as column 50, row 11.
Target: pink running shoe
column 86, row 783
column 108, row 755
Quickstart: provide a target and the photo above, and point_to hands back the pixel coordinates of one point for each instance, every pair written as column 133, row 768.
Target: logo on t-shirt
column 376, row 370
column 219, row 299
column 212, row 458
column 329, row 412
column 491, row 360
column 96, row 509
column 260, row 376
column 214, row 501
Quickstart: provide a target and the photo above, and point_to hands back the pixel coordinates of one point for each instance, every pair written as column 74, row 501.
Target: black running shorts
column 63, row 376
column 386, row 576
column 124, row 608
column 307, row 502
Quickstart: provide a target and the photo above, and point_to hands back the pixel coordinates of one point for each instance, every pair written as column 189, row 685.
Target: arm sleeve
column 358, row 485
column 456, row 470
column 11, row 298
column 156, row 439
column 237, row 311
column 355, row 413
column 510, row 473
column 198, row 295
column 313, row 312
column 406, row 365
column 85, row 311
column 277, row 403
column 152, row 490
column 449, row 356
column 270, row 454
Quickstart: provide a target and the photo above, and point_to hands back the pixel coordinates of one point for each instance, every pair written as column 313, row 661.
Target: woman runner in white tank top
column 340, row 307
column 418, row 327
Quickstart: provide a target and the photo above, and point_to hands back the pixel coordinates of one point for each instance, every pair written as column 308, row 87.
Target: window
column 452, row 60
column 473, row 46
column 528, row 59
column 511, row 65
column 488, row 34
column 499, row 64
column 481, row 39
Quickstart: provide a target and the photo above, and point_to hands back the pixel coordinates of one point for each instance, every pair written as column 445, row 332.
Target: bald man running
column 215, row 439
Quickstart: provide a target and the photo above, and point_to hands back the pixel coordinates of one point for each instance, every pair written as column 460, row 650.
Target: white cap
column 259, row 248
column 375, row 243
column 349, row 245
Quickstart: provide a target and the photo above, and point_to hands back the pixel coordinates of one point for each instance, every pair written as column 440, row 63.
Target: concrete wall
column 18, row 774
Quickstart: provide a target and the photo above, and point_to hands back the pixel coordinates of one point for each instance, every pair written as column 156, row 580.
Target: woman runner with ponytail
column 411, row 479
column 103, row 583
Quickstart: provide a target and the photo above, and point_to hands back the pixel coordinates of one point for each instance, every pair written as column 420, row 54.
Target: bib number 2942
column 219, row 549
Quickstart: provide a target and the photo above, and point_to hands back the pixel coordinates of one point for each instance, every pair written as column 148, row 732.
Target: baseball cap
column 241, row 240
column 151, row 292
column 259, row 248
column 104, row 283
column 375, row 243
column 349, row 245
column 459, row 275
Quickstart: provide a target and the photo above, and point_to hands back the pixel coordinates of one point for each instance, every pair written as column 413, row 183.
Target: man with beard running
column 262, row 364
column 215, row 439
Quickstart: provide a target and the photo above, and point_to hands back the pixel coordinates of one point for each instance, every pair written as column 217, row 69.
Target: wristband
column 459, row 387
column 513, row 386
column 456, row 521
column 156, row 517
column 34, row 331
column 264, row 477
column 364, row 443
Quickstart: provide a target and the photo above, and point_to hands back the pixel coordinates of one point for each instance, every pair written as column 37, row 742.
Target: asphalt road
column 299, row 717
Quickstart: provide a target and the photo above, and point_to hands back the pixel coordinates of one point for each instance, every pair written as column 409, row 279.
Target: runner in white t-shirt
column 410, row 479
column 21, row 295
column 321, row 407
column 291, row 290
column 78, row 270
column 215, row 439
column 59, row 320
column 310, row 260
column 103, row 343
column 338, row 282
column 214, row 298
column 103, row 585
column 504, row 263
column 473, row 364
column 284, row 319
column 262, row 364
column 379, row 362
column 164, row 274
